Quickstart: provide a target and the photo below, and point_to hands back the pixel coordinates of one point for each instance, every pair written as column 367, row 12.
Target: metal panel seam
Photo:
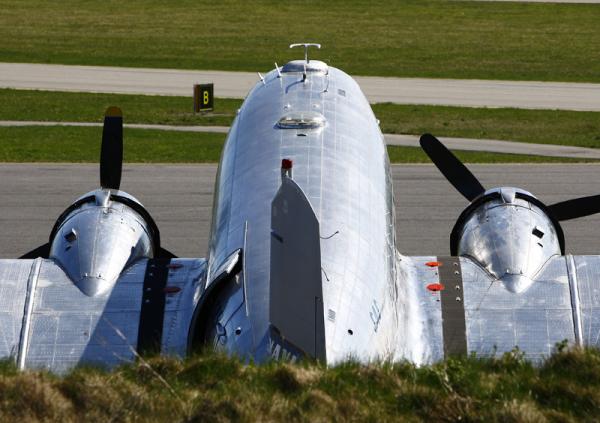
column 575, row 306
column 27, row 312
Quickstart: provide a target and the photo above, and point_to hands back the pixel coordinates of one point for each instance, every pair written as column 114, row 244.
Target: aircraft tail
column 296, row 294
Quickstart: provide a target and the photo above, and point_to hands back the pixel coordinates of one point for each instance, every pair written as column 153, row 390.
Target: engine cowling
column 101, row 234
column 510, row 233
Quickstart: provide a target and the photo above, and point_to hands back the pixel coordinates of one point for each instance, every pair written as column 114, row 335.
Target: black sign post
column 203, row 97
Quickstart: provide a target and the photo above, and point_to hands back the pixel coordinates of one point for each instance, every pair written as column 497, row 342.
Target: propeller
column 577, row 207
column 455, row 172
column 468, row 185
column 111, row 153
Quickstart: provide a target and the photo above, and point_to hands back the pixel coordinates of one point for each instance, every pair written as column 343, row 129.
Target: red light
column 435, row 287
column 286, row 164
column 433, row 263
column 171, row 289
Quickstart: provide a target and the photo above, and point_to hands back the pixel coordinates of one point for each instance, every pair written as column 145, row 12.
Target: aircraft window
column 302, row 120
column 302, row 65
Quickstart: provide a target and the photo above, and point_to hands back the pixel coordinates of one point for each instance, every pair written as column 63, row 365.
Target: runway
column 451, row 92
column 179, row 197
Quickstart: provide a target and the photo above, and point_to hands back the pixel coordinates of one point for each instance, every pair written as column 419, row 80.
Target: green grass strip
column 211, row 387
column 418, row 38
column 82, row 144
column 580, row 129
column 89, row 107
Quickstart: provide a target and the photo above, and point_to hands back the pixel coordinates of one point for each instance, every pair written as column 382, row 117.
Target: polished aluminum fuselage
column 343, row 169
column 101, row 296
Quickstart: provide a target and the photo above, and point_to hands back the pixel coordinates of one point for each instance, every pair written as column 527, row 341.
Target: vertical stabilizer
column 296, row 299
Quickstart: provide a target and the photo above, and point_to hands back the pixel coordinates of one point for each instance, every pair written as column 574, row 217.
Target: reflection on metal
column 106, row 291
column 97, row 238
column 306, row 47
column 278, row 70
column 29, row 298
column 509, row 233
column 574, row 289
column 300, row 66
column 302, row 120
column 498, row 320
column 62, row 327
column 225, row 270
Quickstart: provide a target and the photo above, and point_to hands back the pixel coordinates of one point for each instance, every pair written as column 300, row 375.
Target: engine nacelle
column 509, row 233
column 100, row 235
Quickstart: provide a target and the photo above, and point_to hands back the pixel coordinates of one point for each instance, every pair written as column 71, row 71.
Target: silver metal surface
column 575, row 303
column 63, row 327
column 588, row 287
column 509, row 236
column 343, row 169
column 533, row 321
column 515, row 288
column 97, row 240
column 306, row 47
column 302, row 66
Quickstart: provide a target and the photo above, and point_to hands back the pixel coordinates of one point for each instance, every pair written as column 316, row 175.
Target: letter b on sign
column 203, row 97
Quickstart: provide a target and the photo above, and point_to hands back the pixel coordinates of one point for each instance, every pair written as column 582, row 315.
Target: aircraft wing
column 46, row 321
column 466, row 310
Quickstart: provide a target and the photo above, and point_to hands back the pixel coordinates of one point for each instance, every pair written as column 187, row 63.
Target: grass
column 580, row 129
column 82, row 144
column 415, row 38
column 73, row 144
column 90, row 107
column 566, row 387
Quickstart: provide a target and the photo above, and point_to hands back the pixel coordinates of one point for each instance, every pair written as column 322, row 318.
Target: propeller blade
column 578, row 207
column 42, row 251
column 111, row 154
column 455, row 172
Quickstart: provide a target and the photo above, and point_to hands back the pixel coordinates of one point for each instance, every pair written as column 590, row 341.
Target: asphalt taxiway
column 179, row 197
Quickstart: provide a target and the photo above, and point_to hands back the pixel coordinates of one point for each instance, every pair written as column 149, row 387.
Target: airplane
column 302, row 261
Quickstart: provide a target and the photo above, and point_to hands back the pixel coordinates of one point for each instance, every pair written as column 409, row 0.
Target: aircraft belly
column 56, row 326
